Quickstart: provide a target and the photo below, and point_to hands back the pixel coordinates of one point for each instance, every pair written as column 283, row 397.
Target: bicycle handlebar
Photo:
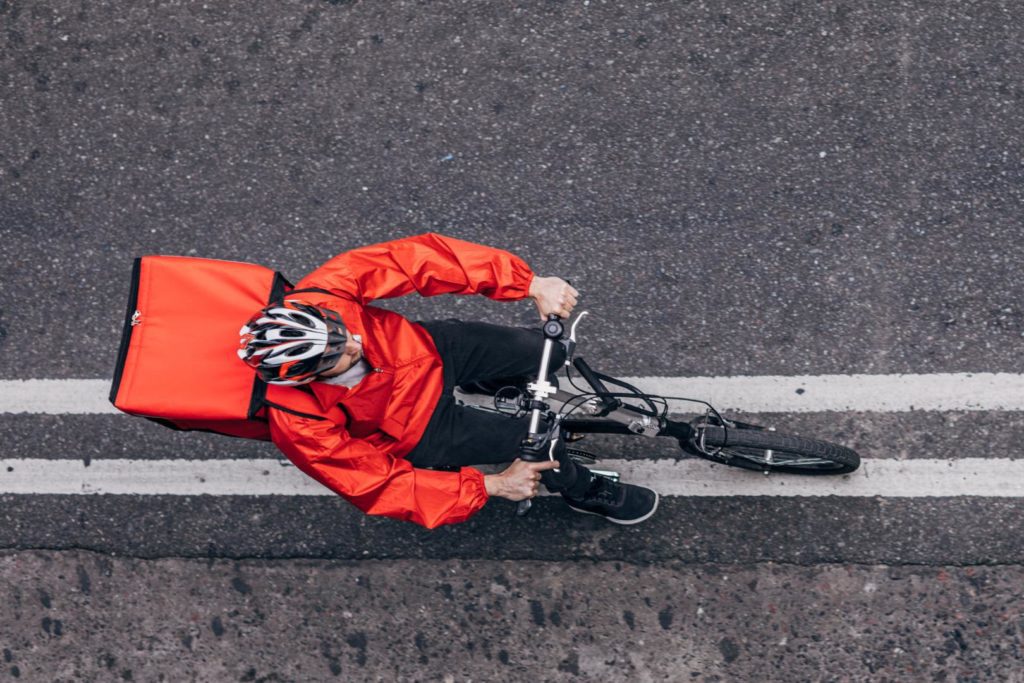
column 533, row 445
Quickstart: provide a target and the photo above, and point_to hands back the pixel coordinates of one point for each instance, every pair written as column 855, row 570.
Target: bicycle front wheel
column 769, row 451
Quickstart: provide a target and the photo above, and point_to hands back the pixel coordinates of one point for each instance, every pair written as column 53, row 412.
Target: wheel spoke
column 753, row 448
column 776, row 458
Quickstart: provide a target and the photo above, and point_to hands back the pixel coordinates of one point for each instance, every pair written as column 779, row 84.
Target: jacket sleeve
column 429, row 264
column 372, row 479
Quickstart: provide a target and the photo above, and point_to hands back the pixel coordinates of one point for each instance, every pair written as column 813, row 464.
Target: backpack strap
column 301, row 401
column 289, row 292
column 286, row 409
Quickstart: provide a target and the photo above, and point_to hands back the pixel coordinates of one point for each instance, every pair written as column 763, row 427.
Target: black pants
column 460, row 436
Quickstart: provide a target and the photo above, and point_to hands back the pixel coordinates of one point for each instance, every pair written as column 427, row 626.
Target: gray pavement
column 930, row 531
column 754, row 188
column 80, row 616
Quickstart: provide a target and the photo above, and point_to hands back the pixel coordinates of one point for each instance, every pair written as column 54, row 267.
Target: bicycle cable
column 576, row 403
column 647, row 398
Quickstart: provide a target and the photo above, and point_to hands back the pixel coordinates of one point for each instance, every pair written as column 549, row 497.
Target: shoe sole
column 625, row 522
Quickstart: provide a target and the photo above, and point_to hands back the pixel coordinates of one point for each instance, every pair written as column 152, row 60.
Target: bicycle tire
column 749, row 449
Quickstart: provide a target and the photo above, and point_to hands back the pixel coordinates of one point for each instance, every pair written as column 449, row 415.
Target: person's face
column 353, row 352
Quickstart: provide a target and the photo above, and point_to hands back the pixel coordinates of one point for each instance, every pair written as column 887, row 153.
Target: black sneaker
column 619, row 503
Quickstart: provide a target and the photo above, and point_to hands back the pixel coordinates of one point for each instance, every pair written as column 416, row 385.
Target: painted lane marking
column 56, row 396
column 996, row 477
column 838, row 393
column 782, row 394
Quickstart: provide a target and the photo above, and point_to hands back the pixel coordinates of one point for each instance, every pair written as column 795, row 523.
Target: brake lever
column 570, row 343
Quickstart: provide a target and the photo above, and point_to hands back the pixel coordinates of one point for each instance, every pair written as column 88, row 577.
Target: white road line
column 889, row 478
column 796, row 394
column 56, row 396
column 876, row 393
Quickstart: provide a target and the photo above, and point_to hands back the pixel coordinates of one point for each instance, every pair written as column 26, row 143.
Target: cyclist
column 400, row 446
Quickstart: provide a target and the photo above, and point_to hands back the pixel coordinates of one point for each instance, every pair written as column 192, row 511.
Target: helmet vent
column 287, row 342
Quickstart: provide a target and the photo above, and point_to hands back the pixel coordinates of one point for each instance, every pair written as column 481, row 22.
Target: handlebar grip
column 523, row 507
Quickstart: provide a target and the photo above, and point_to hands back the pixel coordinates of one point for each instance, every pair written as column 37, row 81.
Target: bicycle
column 555, row 411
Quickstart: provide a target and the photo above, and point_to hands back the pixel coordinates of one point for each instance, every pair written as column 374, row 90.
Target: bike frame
column 603, row 411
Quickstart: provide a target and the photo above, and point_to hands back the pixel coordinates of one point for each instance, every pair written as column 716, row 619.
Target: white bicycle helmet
column 292, row 342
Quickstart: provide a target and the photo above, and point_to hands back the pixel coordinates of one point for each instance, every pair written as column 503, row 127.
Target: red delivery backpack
column 178, row 362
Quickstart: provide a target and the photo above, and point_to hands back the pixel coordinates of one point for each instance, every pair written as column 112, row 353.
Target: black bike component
column 652, row 412
column 537, row 443
column 756, row 448
column 533, row 448
column 589, row 425
column 581, row 456
column 553, row 328
column 570, row 349
column 510, row 400
column 712, row 436
column 600, row 389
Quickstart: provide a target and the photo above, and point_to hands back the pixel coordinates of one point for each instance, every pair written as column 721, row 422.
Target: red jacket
column 359, row 450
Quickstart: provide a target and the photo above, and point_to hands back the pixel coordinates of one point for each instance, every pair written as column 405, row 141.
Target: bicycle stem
column 542, row 388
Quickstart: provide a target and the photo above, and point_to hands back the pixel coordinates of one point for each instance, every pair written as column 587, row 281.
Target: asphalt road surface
column 737, row 189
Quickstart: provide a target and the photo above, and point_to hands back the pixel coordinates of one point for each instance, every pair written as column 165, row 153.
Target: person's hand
column 520, row 481
column 553, row 295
